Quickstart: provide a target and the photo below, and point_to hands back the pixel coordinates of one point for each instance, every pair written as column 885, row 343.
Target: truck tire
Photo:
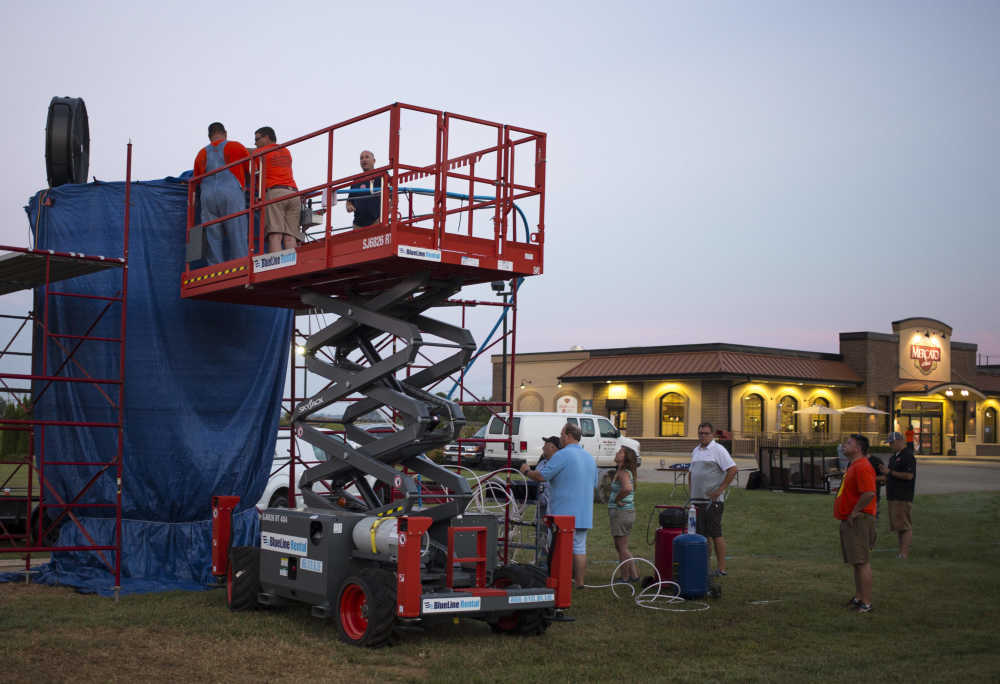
column 526, row 622
column 279, row 499
column 243, row 578
column 366, row 608
column 51, row 532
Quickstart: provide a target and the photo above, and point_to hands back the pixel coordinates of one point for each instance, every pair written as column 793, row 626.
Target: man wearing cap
column 900, row 482
column 550, row 445
column 571, row 473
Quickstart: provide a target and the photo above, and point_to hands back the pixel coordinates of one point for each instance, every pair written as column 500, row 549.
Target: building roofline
column 868, row 335
column 921, row 321
column 703, row 347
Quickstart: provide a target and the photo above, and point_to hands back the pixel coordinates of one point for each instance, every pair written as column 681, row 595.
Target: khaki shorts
column 899, row 516
column 283, row 217
column 621, row 521
column 857, row 539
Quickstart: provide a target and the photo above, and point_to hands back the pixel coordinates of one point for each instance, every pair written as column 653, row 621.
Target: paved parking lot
column 934, row 475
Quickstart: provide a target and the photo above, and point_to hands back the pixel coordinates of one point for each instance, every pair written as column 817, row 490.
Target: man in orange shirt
column 282, row 217
column 854, row 507
column 222, row 195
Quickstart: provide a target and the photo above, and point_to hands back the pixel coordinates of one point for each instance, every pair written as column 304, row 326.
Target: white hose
column 648, row 597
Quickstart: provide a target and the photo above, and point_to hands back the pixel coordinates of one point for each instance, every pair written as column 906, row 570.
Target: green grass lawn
column 781, row 617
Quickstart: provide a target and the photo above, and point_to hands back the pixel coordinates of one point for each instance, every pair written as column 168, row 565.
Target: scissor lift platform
column 473, row 229
column 362, row 262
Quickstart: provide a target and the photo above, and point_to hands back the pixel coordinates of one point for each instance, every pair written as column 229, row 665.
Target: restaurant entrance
column 925, row 419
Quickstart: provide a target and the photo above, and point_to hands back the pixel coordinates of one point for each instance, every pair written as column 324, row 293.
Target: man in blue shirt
column 366, row 206
column 571, row 473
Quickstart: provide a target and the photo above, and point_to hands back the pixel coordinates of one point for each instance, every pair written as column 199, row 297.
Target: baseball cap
column 893, row 436
column 554, row 441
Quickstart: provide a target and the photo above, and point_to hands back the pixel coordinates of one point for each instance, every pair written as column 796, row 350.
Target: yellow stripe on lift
column 374, row 528
column 209, row 276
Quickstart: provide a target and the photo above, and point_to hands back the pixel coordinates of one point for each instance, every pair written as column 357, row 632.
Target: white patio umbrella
column 861, row 408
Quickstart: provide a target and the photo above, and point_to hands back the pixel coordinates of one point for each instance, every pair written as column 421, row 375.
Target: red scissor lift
column 25, row 484
column 452, row 200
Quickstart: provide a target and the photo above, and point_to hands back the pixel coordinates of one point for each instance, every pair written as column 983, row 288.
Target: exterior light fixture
column 522, row 384
column 559, row 385
column 965, row 393
column 949, row 393
column 300, row 350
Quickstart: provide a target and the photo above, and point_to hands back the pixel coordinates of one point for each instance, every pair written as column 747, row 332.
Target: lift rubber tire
column 527, row 622
column 366, row 608
column 279, row 500
column 243, row 578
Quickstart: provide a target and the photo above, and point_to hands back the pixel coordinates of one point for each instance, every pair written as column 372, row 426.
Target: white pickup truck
column 601, row 439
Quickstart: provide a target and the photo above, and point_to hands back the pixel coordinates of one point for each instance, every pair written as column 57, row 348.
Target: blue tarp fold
column 202, row 395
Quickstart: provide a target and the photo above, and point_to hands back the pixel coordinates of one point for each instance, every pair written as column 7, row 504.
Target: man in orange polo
column 222, row 195
column 282, row 217
column 854, row 507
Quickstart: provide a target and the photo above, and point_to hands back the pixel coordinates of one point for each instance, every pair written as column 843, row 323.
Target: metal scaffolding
column 35, row 509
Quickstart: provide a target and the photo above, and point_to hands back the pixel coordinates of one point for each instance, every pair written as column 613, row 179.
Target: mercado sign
column 924, row 349
column 925, row 357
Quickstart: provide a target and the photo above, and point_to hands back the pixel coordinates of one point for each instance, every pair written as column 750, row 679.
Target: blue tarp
column 202, row 394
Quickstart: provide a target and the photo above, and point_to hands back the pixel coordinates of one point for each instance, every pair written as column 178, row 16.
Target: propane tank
column 375, row 535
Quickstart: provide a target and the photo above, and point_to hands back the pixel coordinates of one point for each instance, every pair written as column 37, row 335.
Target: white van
column 276, row 492
column 601, row 439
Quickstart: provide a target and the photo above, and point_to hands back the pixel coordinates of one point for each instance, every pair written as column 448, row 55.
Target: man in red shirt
column 854, row 507
column 222, row 195
column 282, row 217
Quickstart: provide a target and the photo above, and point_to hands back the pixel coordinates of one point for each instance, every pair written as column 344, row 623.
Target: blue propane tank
column 691, row 565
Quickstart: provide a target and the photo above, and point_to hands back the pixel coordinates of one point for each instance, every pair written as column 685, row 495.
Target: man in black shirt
column 367, row 208
column 877, row 466
column 900, row 481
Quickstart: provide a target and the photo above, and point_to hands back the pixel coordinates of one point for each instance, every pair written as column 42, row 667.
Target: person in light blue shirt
column 571, row 473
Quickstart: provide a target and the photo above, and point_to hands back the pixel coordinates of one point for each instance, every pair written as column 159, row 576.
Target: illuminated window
column 672, row 415
column 990, row 426
column 753, row 414
column 789, row 419
column 821, row 421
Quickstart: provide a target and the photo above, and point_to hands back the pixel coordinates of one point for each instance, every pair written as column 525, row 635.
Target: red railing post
column 389, row 200
column 330, row 201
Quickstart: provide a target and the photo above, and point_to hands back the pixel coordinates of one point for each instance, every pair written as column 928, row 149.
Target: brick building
column 917, row 376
